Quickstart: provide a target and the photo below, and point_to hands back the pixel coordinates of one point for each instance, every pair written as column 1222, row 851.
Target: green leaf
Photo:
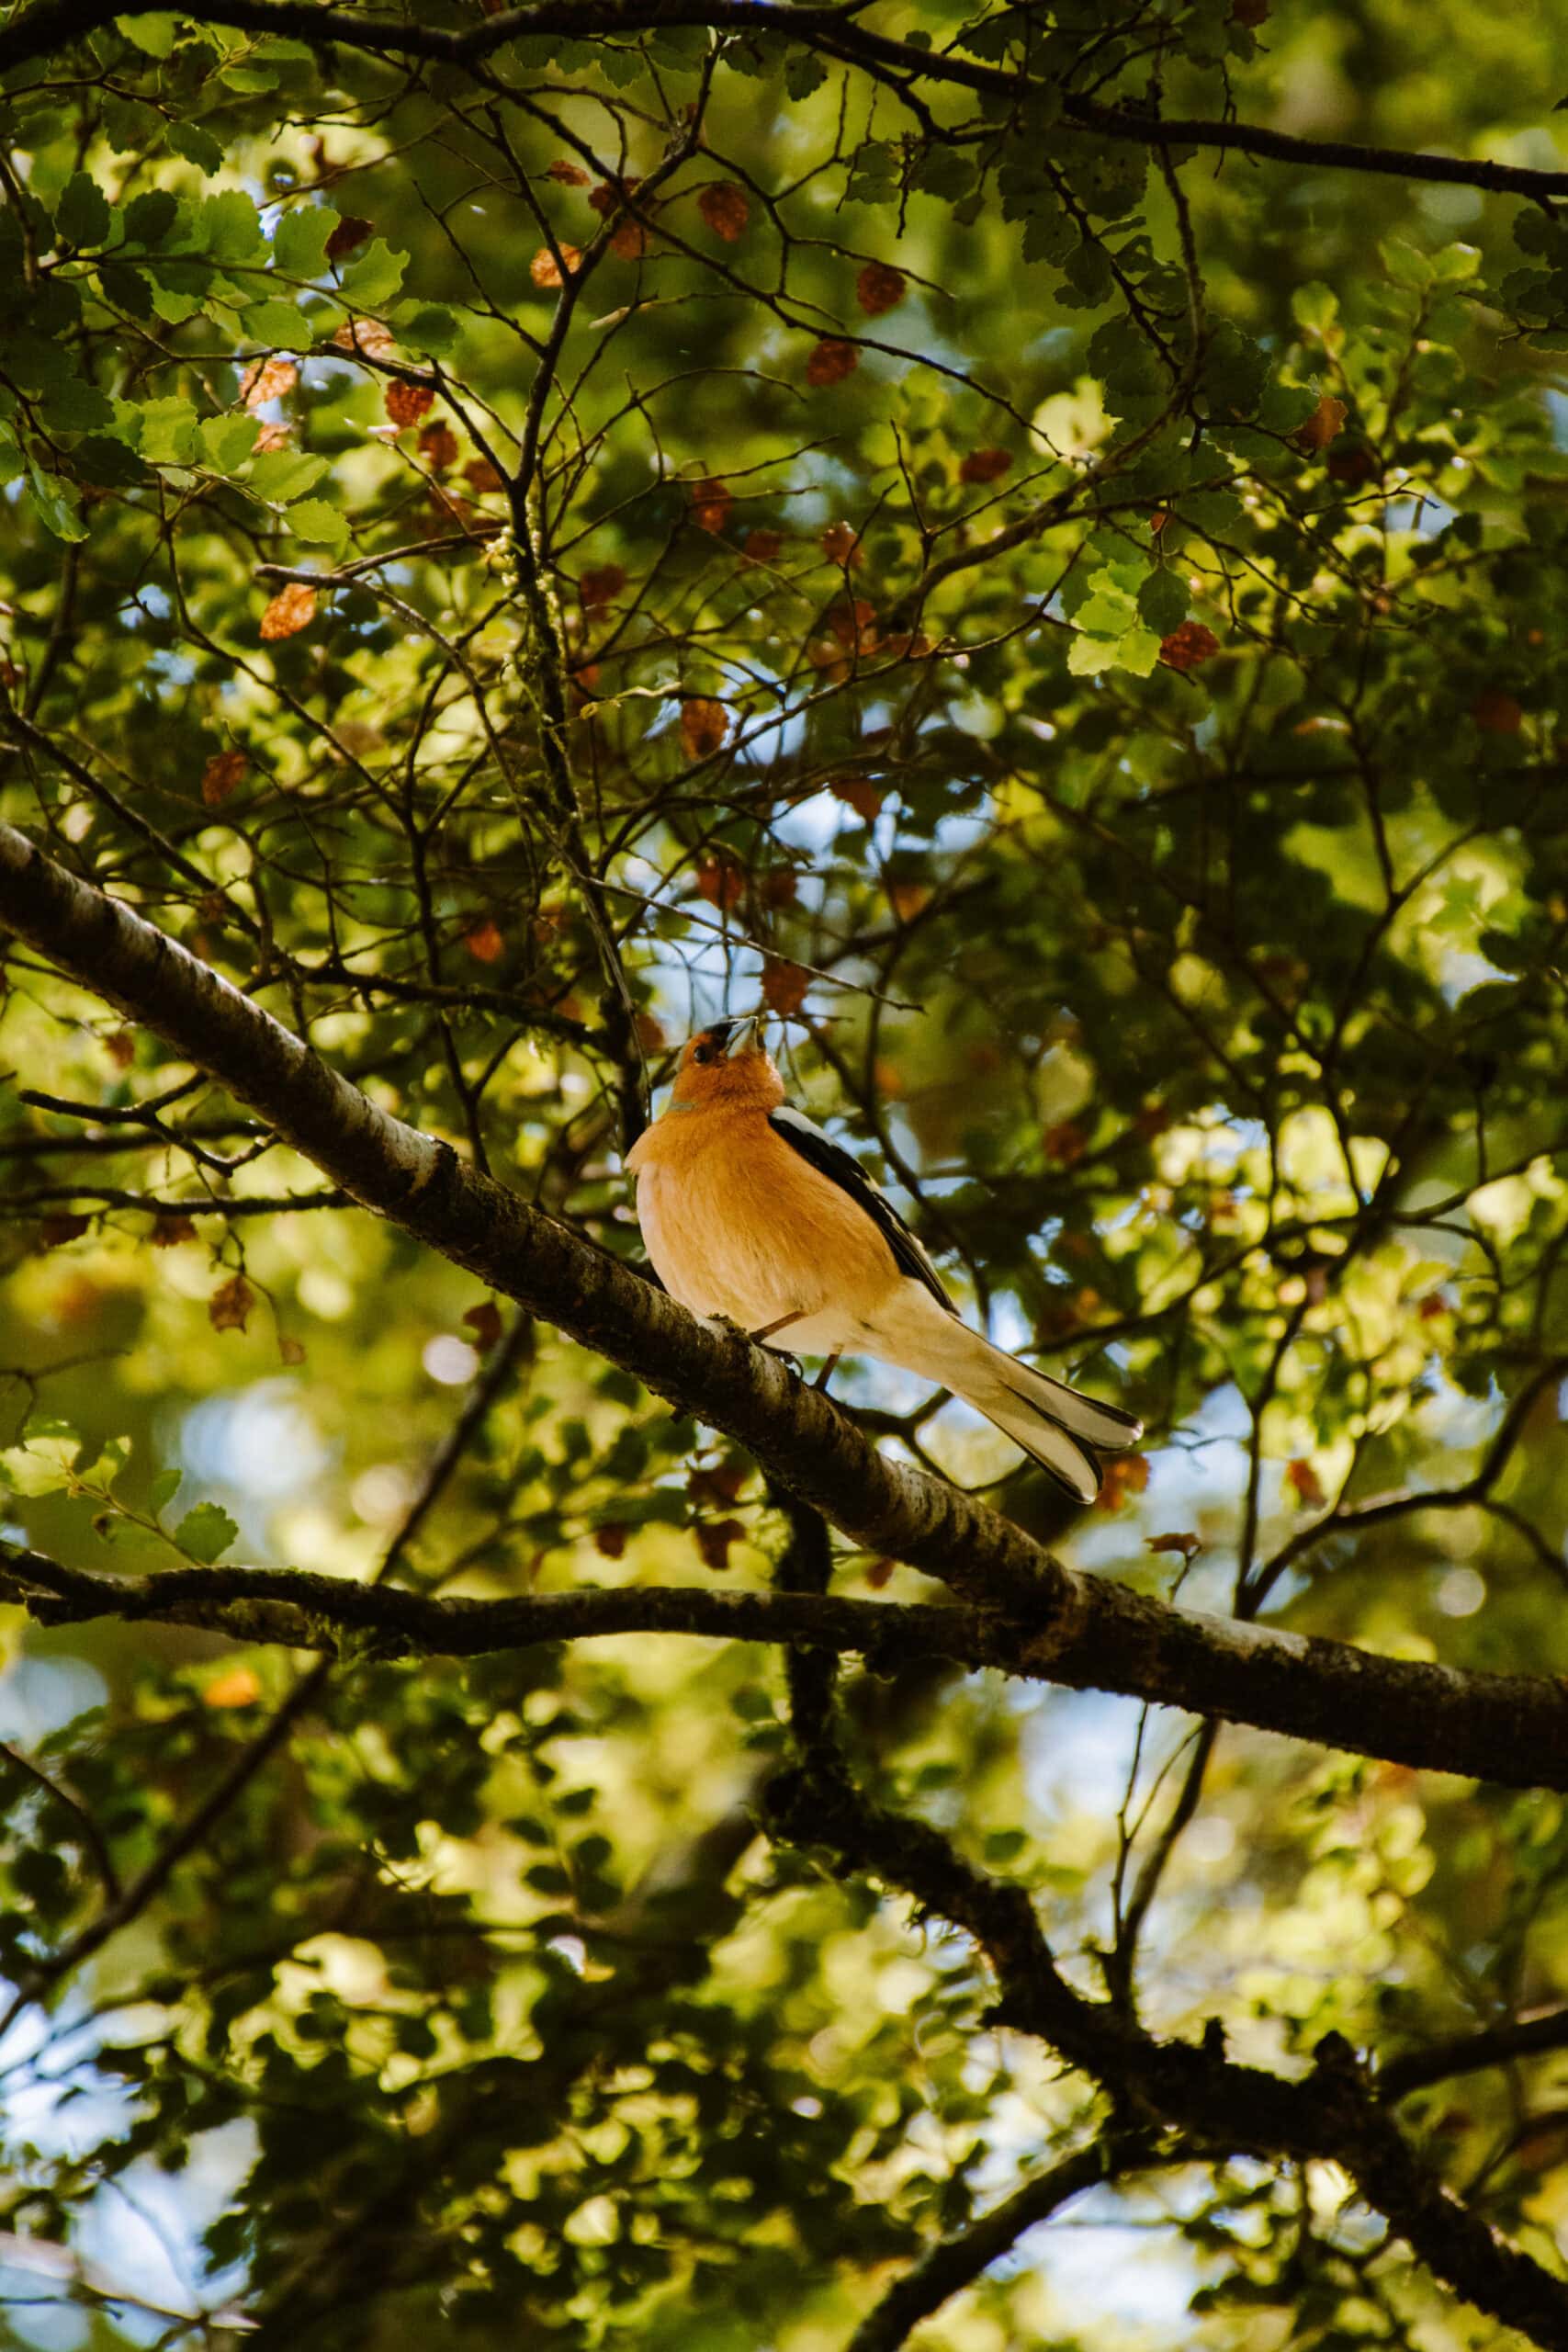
column 57, row 503
column 278, row 475
column 315, row 520
column 231, row 229
column 149, row 219
column 1163, row 600
column 77, row 407
column 424, row 327
column 164, row 1489
column 226, row 441
column 154, row 36
column 82, row 215
column 1316, row 310
column 375, row 276
column 277, row 325
column 110, row 463
column 198, row 146
column 168, row 431
column 206, row 1532
column 300, row 243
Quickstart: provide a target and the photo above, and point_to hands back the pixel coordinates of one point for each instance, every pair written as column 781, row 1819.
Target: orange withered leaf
column 880, row 287
column 406, row 403
column 1188, row 646
column 830, row 361
column 785, row 986
column 229, row 1303
column 705, row 727
column 222, row 773
column 268, row 379
column 292, row 609
column 711, row 502
column 985, row 465
column 727, row 208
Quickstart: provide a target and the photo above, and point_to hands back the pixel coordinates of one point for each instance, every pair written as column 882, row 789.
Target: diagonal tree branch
column 1070, row 1627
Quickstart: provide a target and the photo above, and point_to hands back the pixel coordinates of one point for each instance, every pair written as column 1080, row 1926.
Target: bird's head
column 730, row 1064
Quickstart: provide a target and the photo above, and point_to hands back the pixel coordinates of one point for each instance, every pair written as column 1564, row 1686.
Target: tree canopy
column 1029, row 542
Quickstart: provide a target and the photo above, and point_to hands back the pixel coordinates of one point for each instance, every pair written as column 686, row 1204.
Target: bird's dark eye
column 703, row 1053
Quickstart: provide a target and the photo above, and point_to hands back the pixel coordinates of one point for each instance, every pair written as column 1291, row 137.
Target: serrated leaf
column 195, row 145
column 277, row 325
column 226, row 441
column 150, row 218
column 278, row 475
column 164, row 1489
column 206, row 1531
column 82, row 215
column 1163, row 600
column 230, row 228
column 316, row 521
column 58, row 506
column 168, row 431
column 427, row 327
column 299, row 245
column 374, row 277
column 154, row 36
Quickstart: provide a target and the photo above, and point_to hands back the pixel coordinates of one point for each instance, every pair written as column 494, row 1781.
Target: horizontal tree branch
column 1506, row 1722
column 53, row 25
column 1083, row 1631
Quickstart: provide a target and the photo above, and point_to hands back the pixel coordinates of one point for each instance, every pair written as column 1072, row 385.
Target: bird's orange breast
column 736, row 1223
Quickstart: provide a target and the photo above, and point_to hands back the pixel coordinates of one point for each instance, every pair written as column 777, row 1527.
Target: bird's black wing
column 831, row 1159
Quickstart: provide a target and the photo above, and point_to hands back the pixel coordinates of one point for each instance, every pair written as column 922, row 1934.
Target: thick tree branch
column 1333, row 2113
column 1072, row 1628
column 1509, row 1728
column 53, row 25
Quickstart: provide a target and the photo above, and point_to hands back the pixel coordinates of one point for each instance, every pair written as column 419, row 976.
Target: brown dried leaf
column 438, row 446
column 268, row 379
column 292, row 609
column 854, row 625
column 120, row 1047
column 484, row 1322
column 831, row 360
column 55, row 1231
column 169, row 1230
column 349, row 234
column 367, row 336
column 406, row 403
column 1186, row 1544
column 1127, row 1475
column 1306, row 1484
column 858, row 792
column 547, row 271
column 840, row 545
column 610, row 1540
column 290, row 1349
column 762, row 546
column 486, row 941
column 985, row 465
column 785, row 986
column 721, row 881
column 1188, row 646
column 1322, row 423
column 601, row 587
column 566, row 175
column 727, row 208
column 229, row 1303
column 481, row 475
column 717, row 1485
column 880, row 287
column 705, row 727
column 711, row 502
column 880, row 1573
column 222, row 773
column 715, row 1537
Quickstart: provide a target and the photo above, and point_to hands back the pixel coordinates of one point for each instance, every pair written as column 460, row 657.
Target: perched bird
column 751, row 1212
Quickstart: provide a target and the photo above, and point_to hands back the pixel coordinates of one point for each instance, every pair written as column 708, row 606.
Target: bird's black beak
column 733, row 1036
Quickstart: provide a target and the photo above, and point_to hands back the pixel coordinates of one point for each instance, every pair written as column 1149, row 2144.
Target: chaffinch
column 751, row 1212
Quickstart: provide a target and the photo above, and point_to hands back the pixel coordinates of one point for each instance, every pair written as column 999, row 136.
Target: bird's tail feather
column 1056, row 1425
